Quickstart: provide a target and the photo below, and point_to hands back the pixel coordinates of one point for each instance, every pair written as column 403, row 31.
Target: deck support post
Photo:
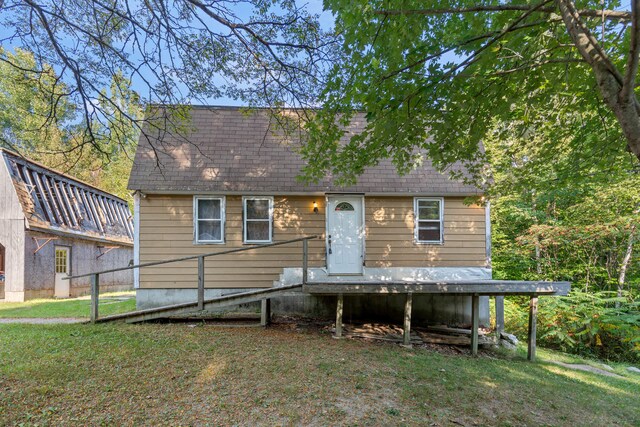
column 339, row 307
column 95, row 297
column 407, row 320
column 201, row 283
column 533, row 317
column 265, row 312
column 475, row 323
column 305, row 261
column 499, row 300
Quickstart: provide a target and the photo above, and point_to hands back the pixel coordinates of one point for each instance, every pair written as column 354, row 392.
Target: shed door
column 345, row 235
column 62, row 269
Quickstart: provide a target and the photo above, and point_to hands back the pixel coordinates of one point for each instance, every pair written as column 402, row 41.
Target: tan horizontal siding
column 390, row 243
column 166, row 231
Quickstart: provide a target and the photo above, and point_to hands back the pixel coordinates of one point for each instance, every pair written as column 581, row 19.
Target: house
column 52, row 225
column 230, row 182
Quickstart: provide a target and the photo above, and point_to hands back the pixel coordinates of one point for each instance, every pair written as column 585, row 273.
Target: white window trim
column 244, row 218
column 415, row 220
column 223, row 216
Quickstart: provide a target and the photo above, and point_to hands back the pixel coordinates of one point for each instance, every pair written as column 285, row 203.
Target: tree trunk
column 625, row 263
column 616, row 90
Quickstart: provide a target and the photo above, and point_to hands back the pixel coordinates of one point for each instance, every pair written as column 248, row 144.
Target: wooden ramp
column 263, row 295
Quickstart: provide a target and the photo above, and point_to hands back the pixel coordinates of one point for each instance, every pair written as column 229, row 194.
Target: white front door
column 345, row 235
column 62, row 264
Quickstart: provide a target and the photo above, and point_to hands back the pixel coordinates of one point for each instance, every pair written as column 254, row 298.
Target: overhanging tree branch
column 538, row 64
column 459, row 45
column 599, row 14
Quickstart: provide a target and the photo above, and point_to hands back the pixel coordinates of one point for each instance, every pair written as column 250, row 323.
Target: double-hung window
column 209, row 219
column 258, row 219
column 428, row 213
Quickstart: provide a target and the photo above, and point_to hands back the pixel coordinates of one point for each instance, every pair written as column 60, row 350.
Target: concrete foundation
column 427, row 309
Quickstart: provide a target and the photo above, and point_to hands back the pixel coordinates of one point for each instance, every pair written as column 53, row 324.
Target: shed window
column 428, row 220
column 209, row 219
column 61, row 260
column 258, row 219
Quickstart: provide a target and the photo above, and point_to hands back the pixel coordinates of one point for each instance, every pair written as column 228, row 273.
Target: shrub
column 583, row 323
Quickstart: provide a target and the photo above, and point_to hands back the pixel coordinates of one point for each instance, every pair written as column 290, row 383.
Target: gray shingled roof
column 230, row 151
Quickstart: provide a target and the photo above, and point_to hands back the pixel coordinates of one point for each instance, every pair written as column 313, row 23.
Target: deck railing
column 95, row 276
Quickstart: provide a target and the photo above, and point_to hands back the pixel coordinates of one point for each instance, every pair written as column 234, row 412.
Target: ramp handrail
column 95, row 276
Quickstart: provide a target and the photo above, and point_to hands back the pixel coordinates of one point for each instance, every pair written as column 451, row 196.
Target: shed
column 52, row 225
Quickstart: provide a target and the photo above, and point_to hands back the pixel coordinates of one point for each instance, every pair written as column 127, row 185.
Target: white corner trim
column 136, row 239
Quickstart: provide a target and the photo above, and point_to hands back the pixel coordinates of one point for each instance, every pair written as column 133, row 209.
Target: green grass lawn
column 178, row 374
column 109, row 303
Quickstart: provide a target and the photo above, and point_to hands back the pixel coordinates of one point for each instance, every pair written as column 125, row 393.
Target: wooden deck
column 475, row 289
column 479, row 287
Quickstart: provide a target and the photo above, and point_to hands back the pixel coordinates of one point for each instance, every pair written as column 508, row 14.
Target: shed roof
column 230, row 151
column 57, row 203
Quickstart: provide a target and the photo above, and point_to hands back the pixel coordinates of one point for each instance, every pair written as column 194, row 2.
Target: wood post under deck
column 265, row 311
column 407, row 320
column 339, row 307
column 533, row 317
column 499, row 300
column 475, row 323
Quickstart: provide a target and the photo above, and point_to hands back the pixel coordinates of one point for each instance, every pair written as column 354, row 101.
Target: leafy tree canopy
column 39, row 121
column 444, row 76
column 28, row 99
